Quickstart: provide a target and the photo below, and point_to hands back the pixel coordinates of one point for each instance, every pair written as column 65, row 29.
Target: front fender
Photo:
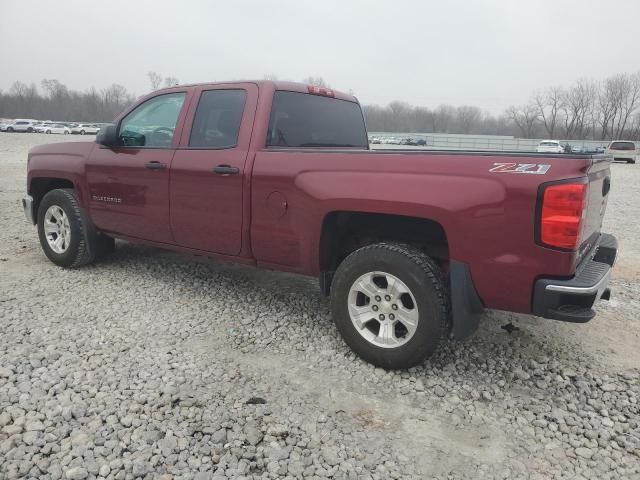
column 64, row 161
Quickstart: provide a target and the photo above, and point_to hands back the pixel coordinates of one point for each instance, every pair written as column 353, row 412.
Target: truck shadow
column 276, row 302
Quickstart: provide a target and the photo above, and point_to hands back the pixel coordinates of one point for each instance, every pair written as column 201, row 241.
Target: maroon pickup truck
column 411, row 245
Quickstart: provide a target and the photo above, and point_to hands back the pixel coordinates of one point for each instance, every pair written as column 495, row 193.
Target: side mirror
column 108, row 136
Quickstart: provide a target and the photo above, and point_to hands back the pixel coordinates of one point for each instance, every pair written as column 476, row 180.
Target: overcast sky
column 489, row 53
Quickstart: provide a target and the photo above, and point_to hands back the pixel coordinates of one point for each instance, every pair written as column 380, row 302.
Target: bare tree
column 467, row 118
column 628, row 101
column 54, row 88
column 443, row 118
column 155, row 79
column 270, row 76
column 317, row 81
column 549, row 103
column 18, row 89
column 422, row 120
column 170, row 81
column 525, row 118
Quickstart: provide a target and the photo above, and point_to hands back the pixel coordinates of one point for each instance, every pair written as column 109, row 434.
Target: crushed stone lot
column 152, row 364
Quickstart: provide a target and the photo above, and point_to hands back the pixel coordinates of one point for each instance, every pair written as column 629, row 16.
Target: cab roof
column 274, row 85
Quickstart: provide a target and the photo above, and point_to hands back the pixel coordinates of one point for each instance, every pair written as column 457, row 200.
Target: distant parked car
column 83, row 128
column 550, row 146
column 421, row 142
column 22, row 126
column 43, row 126
column 624, row 150
column 57, row 128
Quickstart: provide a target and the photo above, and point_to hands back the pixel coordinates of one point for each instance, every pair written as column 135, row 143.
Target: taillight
column 563, row 211
column 315, row 90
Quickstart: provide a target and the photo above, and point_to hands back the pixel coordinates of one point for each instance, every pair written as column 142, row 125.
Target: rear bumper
column 572, row 300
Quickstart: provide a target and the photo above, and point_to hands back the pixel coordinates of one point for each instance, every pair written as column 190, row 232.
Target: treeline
column 588, row 109
column 54, row 101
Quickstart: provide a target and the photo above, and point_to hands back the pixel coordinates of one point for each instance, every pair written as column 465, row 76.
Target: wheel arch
column 40, row 186
column 343, row 232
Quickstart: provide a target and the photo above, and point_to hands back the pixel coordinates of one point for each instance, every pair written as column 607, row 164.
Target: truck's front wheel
column 66, row 233
column 390, row 304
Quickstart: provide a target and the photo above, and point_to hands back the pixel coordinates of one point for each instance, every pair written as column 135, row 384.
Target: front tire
column 9, row 129
column 390, row 303
column 67, row 235
column 82, row 132
column 48, row 132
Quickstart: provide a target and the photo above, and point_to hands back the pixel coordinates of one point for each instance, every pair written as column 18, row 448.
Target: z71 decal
column 534, row 168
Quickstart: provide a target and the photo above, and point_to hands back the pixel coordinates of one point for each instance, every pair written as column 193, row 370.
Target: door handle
column 154, row 165
column 226, row 170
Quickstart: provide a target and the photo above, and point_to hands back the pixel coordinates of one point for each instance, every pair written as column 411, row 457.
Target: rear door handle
column 154, row 165
column 226, row 170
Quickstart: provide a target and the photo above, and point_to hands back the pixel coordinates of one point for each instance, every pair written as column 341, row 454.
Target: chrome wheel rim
column 383, row 309
column 57, row 229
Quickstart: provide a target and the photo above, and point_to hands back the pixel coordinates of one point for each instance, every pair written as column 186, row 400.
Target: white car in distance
column 550, row 146
column 20, row 125
column 624, row 150
column 84, row 128
column 55, row 128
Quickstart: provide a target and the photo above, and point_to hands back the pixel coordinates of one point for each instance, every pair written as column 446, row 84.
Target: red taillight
column 327, row 92
column 563, row 209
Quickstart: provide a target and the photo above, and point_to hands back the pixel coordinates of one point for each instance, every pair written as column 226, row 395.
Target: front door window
column 153, row 123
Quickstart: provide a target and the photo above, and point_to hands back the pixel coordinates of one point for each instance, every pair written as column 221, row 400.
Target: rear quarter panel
column 489, row 218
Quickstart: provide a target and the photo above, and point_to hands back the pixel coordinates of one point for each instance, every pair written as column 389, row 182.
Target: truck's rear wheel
column 66, row 233
column 390, row 304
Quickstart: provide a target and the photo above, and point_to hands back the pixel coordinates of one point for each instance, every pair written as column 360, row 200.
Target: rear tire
column 631, row 161
column 82, row 132
column 81, row 239
column 404, row 322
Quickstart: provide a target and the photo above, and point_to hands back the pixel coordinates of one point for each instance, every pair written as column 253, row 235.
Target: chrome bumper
column 572, row 300
column 27, row 205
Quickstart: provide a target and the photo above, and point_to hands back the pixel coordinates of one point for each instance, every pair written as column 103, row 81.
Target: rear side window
column 622, row 146
column 305, row 120
column 218, row 117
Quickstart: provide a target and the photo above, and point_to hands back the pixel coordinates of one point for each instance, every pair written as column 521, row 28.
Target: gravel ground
column 156, row 365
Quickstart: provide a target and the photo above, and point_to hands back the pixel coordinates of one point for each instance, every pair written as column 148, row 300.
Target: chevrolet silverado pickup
column 410, row 245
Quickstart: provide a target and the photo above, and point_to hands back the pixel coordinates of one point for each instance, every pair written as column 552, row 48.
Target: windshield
column 304, row 120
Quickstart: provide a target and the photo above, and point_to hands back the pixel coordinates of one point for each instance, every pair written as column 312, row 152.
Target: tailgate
column 599, row 175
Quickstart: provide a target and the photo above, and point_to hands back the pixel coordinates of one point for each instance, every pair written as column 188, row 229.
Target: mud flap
column 466, row 306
